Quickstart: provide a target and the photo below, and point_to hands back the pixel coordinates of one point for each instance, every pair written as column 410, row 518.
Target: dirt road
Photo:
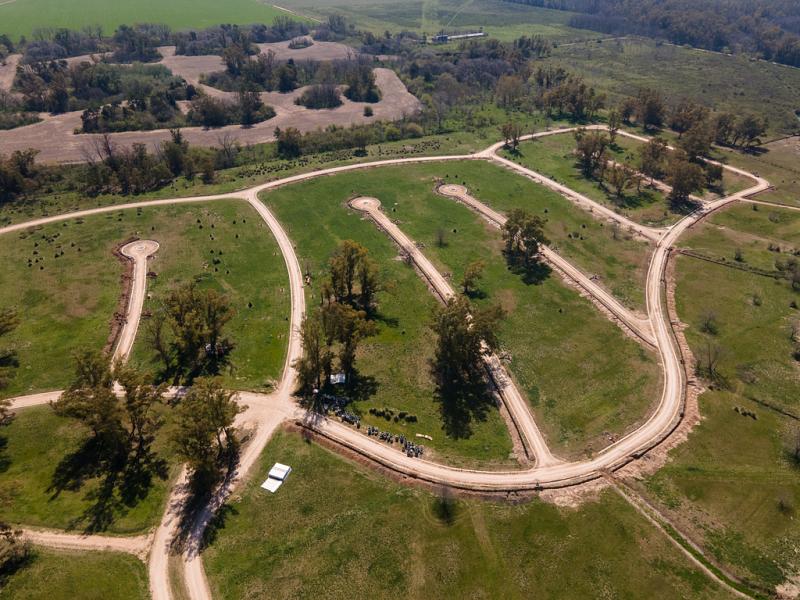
column 138, row 546
column 638, row 325
column 267, row 411
column 512, row 398
column 138, row 252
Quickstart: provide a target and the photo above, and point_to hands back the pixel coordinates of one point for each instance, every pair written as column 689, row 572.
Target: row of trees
column 332, row 333
column 650, row 110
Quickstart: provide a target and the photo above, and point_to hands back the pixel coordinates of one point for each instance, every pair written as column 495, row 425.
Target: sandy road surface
column 515, row 404
column 138, row 546
column 640, row 326
column 633, row 445
column 139, row 252
column 8, row 71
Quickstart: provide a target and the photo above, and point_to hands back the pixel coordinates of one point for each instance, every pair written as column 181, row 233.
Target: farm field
column 498, row 19
column 85, row 575
column 724, row 83
column 733, row 486
column 581, row 396
column 22, row 17
column 752, row 327
column 48, row 479
column 337, row 517
column 67, row 296
column 396, row 361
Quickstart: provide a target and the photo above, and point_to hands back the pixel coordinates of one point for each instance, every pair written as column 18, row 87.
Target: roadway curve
column 268, row 411
column 636, row 324
column 512, row 399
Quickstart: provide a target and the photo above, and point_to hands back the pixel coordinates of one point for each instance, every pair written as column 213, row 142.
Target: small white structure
column 338, row 378
column 277, row 475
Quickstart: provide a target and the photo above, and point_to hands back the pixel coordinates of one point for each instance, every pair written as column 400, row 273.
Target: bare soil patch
column 57, row 143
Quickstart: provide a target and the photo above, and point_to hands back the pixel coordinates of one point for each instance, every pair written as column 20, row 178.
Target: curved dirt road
column 268, row 411
column 138, row 251
column 636, row 324
column 512, row 399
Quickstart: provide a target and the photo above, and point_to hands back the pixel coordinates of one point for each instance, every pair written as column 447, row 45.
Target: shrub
column 368, row 111
column 320, row 96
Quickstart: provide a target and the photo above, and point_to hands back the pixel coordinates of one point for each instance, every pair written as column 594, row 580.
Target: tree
column 289, row 142
column 650, row 108
column 685, row 178
column 353, row 276
column 90, row 399
column 652, row 156
column 315, row 362
column 724, row 127
column 509, row 90
column 614, row 123
column 522, row 233
column 591, row 151
column 8, row 358
column 686, row 115
column 619, row 177
column 749, row 130
column 15, row 550
column 464, row 336
column 511, row 132
column 140, row 400
column 346, row 326
column 189, row 333
column 472, row 274
column 697, row 140
column 204, row 436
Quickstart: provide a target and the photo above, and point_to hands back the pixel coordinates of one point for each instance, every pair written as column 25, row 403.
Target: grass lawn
column 38, row 490
column 84, row 575
column 753, row 313
column 723, row 83
column 378, row 539
column 22, row 17
column 396, row 360
column 779, row 163
column 66, row 303
column 750, row 228
column 555, row 338
column 618, row 260
column 734, row 485
column 553, row 157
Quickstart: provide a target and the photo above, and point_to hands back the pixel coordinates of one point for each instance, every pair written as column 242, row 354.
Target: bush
column 368, row 111
column 320, row 96
column 414, row 130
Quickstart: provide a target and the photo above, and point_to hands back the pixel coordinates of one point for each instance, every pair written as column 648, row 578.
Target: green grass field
column 38, row 490
column 396, row 360
column 580, row 393
column 22, row 17
column 498, row 19
column 66, row 303
column 778, row 162
column 85, row 575
column 336, row 529
column 753, row 313
column 734, row 485
column 730, row 83
column 553, row 157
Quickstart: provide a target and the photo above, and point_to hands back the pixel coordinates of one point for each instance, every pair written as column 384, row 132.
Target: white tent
column 277, row 475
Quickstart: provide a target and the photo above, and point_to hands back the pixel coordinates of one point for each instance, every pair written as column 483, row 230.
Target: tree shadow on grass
column 123, row 480
column 462, row 403
column 534, row 273
column 5, row 461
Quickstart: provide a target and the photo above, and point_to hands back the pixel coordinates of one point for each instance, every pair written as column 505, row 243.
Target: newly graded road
column 266, row 412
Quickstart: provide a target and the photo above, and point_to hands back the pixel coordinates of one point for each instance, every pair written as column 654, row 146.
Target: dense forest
column 769, row 29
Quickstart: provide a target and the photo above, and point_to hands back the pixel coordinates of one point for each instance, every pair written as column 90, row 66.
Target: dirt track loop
column 266, row 412
column 512, row 399
column 638, row 325
column 138, row 252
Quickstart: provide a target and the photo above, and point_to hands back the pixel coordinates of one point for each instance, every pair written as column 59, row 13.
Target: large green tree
column 188, row 333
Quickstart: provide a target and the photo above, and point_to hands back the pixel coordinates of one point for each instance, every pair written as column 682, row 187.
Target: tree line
column 769, row 29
